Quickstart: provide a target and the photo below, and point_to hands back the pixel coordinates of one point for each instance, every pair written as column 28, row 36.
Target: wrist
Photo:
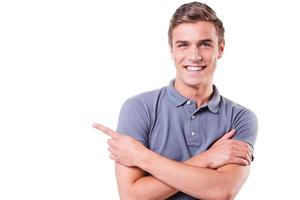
column 199, row 160
column 142, row 158
column 206, row 162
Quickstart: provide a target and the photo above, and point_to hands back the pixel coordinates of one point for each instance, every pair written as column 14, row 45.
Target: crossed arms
column 217, row 173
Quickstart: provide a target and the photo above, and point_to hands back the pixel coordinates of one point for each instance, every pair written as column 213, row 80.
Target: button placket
column 194, row 130
column 192, row 135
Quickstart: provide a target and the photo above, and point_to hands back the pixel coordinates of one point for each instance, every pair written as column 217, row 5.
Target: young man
column 185, row 141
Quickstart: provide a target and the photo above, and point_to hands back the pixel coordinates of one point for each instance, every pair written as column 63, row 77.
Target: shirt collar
column 175, row 96
column 214, row 103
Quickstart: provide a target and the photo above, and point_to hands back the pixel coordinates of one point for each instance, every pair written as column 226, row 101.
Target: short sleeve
column 134, row 120
column 246, row 125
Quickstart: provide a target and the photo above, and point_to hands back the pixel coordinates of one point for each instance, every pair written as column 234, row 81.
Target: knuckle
column 249, row 152
column 109, row 141
column 242, row 161
column 226, row 158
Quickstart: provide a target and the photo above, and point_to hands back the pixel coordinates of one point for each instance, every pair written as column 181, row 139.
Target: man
column 185, row 141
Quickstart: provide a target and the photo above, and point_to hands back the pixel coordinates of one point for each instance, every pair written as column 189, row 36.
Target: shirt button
column 193, row 133
column 193, row 116
column 188, row 102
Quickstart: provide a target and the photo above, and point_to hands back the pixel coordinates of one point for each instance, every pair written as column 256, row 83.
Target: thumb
column 228, row 135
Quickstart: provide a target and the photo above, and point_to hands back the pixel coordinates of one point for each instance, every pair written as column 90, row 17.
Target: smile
column 195, row 68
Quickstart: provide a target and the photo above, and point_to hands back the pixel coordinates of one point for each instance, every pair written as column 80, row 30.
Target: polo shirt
column 171, row 125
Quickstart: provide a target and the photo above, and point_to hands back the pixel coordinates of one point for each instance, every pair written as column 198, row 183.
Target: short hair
column 195, row 12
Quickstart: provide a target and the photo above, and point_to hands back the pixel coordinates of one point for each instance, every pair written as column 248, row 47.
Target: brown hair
column 194, row 12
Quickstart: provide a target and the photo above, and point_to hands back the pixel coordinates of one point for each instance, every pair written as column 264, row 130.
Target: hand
column 227, row 151
column 124, row 149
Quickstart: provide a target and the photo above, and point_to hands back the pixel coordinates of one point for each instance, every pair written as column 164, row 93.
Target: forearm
column 149, row 187
column 193, row 180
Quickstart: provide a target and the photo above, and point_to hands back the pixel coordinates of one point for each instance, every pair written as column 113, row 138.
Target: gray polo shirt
column 170, row 124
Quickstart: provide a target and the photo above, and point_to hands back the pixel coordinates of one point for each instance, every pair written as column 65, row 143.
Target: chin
column 193, row 83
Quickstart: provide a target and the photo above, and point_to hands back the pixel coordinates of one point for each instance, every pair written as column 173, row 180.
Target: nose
column 195, row 54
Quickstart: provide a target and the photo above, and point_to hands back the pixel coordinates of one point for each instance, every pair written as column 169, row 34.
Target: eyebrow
column 206, row 40
column 181, row 41
column 201, row 41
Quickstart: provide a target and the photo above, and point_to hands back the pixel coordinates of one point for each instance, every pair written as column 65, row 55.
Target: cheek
column 210, row 56
column 178, row 57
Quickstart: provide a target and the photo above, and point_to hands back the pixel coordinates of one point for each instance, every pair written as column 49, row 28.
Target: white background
column 66, row 64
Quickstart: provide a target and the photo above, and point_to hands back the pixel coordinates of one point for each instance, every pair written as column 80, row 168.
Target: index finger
column 106, row 130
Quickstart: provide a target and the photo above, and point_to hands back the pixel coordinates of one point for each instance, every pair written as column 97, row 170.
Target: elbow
column 228, row 196
column 128, row 197
column 221, row 194
column 134, row 196
column 225, row 196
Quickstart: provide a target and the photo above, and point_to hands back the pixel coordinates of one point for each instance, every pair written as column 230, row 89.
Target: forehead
column 194, row 31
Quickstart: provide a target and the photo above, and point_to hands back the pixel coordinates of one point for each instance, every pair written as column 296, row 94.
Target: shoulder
column 145, row 100
column 136, row 115
column 243, row 120
column 237, row 110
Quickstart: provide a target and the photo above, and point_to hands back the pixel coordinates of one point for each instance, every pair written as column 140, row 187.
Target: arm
column 198, row 182
column 193, row 180
column 132, row 182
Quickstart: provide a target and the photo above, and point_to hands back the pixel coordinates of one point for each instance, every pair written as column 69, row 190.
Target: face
column 195, row 52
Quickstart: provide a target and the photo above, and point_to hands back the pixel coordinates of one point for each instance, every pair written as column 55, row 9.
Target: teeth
column 193, row 68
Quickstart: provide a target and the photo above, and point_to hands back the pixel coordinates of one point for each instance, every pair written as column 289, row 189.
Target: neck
column 201, row 93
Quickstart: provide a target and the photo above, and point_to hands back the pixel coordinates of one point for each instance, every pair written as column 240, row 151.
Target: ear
column 221, row 49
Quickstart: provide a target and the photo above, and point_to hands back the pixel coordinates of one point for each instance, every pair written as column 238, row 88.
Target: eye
column 205, row 44
column 182, row 45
